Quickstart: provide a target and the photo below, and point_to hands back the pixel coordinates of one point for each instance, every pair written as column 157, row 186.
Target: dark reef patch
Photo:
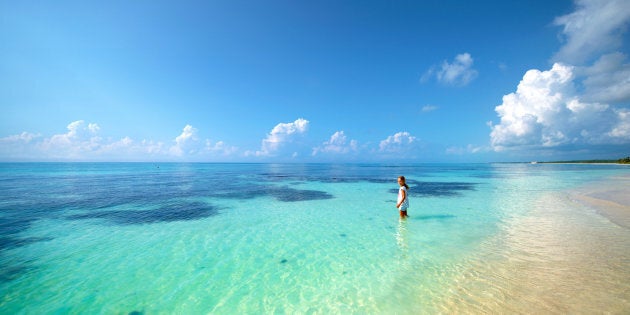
column 181, row 211
column 8, row 242
column 290, row 194
column 10, row 273
column 286, row 194
column 11, row 224
column 436, row 189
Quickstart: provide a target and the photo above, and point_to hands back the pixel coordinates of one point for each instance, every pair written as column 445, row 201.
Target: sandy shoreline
column 610, row 198
column 569, row 255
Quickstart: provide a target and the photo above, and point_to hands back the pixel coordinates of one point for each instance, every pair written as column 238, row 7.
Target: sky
column 314, row 81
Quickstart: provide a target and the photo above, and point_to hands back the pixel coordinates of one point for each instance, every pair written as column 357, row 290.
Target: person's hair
column 404, row 181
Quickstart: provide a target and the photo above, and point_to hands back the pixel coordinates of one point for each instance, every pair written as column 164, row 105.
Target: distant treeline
column 625, row 160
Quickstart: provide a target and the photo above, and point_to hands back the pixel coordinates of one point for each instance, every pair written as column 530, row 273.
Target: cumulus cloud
column 124, row 144
column 183, row 141
column 19, row 145
column 74, row 129
column 621, row 130
column 72, row 144
column 397, row 142
column 127, row 149
column 220, row 147
column 82, row 142
column 152, row 147
column 280, row 134
column 94, row 128
column 188, row 146
column 608, row 79
column 25, row 137
column 188, row 133
column 595, row 27
column 576, row 102
column 545, row 111
column 338, row 143
column 459, row 72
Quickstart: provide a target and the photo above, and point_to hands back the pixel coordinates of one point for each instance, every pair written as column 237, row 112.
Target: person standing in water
column 403, row 199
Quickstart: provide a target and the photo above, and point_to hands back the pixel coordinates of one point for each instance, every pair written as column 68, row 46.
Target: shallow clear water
column 263, row 238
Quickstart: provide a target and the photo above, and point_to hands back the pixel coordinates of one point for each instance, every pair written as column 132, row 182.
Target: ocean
column 228, row 238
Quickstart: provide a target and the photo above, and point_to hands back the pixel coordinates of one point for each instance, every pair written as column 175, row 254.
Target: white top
column 405, row 204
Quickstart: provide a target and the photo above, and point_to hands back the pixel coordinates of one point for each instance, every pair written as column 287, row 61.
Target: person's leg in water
column 403, row 214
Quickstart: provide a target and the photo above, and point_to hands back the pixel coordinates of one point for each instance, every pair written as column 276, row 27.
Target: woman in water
column 403, row 199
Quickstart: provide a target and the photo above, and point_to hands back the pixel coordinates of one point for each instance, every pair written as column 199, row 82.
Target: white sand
column 611, row 199
column 555, row 260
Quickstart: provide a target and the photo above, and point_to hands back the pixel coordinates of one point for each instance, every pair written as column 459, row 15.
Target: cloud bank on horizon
column 82, row 142
column 573, row 104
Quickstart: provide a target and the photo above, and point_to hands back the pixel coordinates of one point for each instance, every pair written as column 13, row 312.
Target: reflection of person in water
column 403, row 199
column 401, row 236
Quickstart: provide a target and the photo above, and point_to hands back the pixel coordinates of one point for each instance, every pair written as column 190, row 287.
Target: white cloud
column 572, row 104
column 25, row 137
column 338, row 143
column 546, row 111
column 18, row 145
column 152, row 147
column 220, row 147
column 455, row 150
column 94, row 128
column 81, row 143
column 459, row 72
column 67, row 138
column 188, row 146
column 429, row 108
column 124, row 144
column 280, row 134
column 183, row 141
column 608, row 79
column 72, row 144
column 188, row 133
column 595, row 27
column 621, row 130
column 397, row 142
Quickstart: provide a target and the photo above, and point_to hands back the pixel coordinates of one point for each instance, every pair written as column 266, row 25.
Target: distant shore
column 619, row 161
column 567, row 162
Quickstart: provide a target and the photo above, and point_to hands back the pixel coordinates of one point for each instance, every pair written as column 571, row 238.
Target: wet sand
column 570, row 254
column 611, row 199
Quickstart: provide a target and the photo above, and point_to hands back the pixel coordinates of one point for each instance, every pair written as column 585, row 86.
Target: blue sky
column 316, row 81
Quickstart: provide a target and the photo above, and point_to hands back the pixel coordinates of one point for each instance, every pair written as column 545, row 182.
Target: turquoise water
column 120, row 238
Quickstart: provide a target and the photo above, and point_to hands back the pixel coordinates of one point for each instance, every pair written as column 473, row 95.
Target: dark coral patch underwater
column 182, row 211
column 286, row 194
column 436, row 189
